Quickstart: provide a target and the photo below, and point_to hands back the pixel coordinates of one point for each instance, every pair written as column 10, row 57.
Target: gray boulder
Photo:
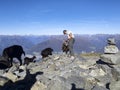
column 111, row 49
column 111, row 41
column 111, row 58
column 115, row 85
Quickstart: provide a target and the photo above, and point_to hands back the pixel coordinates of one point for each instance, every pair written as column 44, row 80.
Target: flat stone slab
column 111, row 49
column 111, row 58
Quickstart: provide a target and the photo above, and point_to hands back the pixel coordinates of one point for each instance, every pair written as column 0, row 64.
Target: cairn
column 111, row 48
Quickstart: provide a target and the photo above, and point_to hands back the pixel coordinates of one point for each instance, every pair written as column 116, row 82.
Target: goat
column 14, row 51
column 27, row 60
column 46, row 52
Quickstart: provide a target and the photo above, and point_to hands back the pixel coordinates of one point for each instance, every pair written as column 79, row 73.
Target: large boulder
column 111, row 49
column 111, row 58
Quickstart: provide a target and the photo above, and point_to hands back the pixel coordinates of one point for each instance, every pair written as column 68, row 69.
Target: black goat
column 27, row 60
column 46, row 52
column 14, row 51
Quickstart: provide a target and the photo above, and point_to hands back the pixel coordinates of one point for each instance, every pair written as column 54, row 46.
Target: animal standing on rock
column 27, row 60
column 14, row 51
column 46, row 52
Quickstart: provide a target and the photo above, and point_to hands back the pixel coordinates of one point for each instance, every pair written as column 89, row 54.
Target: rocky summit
column 59, row 72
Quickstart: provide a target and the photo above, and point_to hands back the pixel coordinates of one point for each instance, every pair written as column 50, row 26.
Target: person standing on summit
column 71, row 41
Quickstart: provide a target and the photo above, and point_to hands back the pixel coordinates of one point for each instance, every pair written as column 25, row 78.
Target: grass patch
column 90, row 55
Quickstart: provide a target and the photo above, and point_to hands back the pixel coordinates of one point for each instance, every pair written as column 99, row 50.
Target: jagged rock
column 10, row 76
column 43, row 79
column 20, row 74
column 39, row 86
column 103, row 80
column 111, row 58
column 111, row 41
column 56, row 85
column 90, row 83
column 111, row 49
column 3, row 80
column 99, row 88
column 97, row 72
column 13, row 68
column 116, row 73
column 78, row 81
column 115, row 85
column 62, row 73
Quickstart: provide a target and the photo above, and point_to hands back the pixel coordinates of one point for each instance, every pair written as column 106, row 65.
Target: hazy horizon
column 50, row 35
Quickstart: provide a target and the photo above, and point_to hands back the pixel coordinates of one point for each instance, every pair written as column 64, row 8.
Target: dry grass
column 90, row 55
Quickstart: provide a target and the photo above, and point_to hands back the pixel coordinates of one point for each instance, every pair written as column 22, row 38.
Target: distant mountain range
column 83, row 43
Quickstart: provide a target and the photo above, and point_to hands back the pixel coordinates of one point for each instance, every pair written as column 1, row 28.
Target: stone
column 111, row 41
column 115, row 85
column 39, row 86
column 61, row 73
column 99, row 88
column 10, row 76
column 3, row 80
column 111, row 58
column 111, row 49
column 97, row 72
column 115, row 73
column 57, row 84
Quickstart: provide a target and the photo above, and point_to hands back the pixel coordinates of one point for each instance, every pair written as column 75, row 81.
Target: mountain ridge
column 35, row 43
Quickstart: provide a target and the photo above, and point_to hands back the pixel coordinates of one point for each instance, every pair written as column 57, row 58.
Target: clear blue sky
column 41, row 17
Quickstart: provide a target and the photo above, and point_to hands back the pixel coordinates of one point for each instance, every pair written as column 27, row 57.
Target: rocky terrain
column 59, row 72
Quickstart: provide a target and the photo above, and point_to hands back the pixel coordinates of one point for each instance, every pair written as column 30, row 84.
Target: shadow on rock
column 74, row 87
column 104, row 63
column 4, row 63
column 108, row 86
column 25, row 84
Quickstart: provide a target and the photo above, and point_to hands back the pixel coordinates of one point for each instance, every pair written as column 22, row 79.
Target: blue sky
column 48, row 17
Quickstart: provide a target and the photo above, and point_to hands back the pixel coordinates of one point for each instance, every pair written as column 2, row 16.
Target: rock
column 111, row 41
column 39, row 86
column 116, row 73
column 56, row 85
column 2, row 72
column 111, row 58
column 111, row 49
column 3, row 80
column 115, row 85
column 13, row 68
column 99, row 88
column 20, row 74
column 78, row 81
column 90, row 83
column 62, row 73
column 97, row 72
column 43, row 79
column 10, row 76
